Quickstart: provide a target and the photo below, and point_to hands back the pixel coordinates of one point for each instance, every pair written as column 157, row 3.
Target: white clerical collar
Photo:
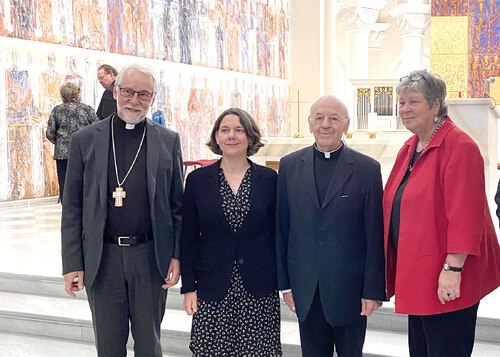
column 129, row 126
column 328, row 153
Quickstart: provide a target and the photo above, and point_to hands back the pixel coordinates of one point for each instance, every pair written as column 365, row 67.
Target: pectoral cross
column 119, row 195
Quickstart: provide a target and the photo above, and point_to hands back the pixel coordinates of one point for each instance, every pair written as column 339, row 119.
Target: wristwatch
column 448, row 267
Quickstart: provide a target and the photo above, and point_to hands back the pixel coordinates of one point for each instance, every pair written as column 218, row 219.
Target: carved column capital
column 377, row 34
column 359, row 14
column 412, row 19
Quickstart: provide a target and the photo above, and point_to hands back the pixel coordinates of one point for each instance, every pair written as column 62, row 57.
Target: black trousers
column 61, row 175
column 320, row 339
column 450, row 334
column 127, row 289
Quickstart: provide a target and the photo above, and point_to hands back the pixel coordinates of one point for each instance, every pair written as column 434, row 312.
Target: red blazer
column 443, row 210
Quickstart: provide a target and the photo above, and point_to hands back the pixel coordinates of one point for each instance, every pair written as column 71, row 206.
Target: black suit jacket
column 107, row 106
column 84, row 208
column 338, row 245
column 209, row 246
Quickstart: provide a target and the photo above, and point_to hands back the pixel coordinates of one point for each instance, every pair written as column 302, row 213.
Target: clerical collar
column 328, row 153
column 129, row 126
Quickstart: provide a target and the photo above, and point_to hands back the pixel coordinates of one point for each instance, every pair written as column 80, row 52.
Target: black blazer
column 84, row 209
column 338, row 245
column 209, row 246
column 107, row 106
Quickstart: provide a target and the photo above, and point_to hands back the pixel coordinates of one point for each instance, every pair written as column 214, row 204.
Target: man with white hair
column 121, row 218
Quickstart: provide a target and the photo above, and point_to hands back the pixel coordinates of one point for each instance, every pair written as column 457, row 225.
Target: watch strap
column 448, row 267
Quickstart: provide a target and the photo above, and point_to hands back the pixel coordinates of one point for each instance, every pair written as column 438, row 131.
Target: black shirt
column 133, row 217
column 324, row 169
column 396, row 204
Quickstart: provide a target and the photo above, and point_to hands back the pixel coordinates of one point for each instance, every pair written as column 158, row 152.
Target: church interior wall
column 261, row 55
column 208, row 54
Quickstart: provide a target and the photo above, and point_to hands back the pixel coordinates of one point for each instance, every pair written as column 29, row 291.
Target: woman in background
column 442, row 252
column 228, row 262
column 64, row 120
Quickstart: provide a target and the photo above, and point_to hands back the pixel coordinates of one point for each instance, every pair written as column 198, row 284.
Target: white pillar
column 377, row 34
column 357, row 16
column 412, row 20
column 329, row 47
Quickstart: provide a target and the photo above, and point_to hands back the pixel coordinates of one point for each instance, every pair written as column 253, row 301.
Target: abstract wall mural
column 208, row 55
column 483, row 39
column 250, row 36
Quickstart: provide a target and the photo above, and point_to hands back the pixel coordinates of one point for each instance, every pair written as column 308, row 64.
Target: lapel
column 344, row 169
column 152, row 158
column 306, row 169
column 101, row 138
column 254, row 188
column 214, row 193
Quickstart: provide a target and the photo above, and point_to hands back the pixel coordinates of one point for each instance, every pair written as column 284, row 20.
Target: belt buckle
column 121, row 244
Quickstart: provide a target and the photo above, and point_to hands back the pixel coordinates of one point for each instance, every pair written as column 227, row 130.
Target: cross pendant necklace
column 119, row 194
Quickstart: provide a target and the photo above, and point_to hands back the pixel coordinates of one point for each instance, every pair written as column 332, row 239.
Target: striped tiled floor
column 30, row 245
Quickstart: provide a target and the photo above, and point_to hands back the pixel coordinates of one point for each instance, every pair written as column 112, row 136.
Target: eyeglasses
column 413, row 78
column 332, row 119
column 129, row 93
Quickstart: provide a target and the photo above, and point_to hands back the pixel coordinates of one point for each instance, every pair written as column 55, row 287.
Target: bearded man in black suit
column 121, row 218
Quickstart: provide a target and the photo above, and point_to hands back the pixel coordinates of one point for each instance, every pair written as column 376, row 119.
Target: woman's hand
column 191, row 303
column 449, row 281
column 448, row 285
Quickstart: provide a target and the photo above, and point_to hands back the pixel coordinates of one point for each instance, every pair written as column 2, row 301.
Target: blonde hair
column 70, row 91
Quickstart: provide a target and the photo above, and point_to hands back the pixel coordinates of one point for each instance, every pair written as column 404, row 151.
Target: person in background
column 64, row 120
column 228, row 259
column 441, row 248
column 497, row 201
column 329, row 236
column 106, row 76
column 121, row 218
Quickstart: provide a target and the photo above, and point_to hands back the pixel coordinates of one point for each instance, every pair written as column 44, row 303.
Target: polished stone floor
column 30, row 245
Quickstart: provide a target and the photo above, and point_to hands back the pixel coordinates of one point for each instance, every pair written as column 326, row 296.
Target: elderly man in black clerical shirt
column 329, row 236
column 106, row 75
column 121, row 218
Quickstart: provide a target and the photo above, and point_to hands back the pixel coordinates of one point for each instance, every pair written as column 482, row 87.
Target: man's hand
column 369, row 306
column 288, row 297
column 73, row 281
column 173, row 274
column 191, row 302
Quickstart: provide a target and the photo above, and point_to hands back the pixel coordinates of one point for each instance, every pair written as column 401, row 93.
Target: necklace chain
column 238, row 175
column 440, row 122
column 114, row 153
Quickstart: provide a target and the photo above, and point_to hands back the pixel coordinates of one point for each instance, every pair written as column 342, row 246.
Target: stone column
column 357, row 16
column 377, row 34
column 329, row 47
column 412, row 20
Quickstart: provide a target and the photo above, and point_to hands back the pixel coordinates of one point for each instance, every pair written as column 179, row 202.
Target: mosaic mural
column 250, row 36
column 190, row 97
column 209, row 55
column 483, row 39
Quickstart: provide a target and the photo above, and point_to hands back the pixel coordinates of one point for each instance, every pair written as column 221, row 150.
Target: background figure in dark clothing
column 64, row 120
column 497, row 200
column 106, row 76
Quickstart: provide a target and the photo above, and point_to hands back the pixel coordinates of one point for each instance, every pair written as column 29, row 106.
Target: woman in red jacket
column 441, row 248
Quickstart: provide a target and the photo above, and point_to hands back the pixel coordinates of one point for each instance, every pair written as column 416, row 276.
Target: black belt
column 128, row 241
